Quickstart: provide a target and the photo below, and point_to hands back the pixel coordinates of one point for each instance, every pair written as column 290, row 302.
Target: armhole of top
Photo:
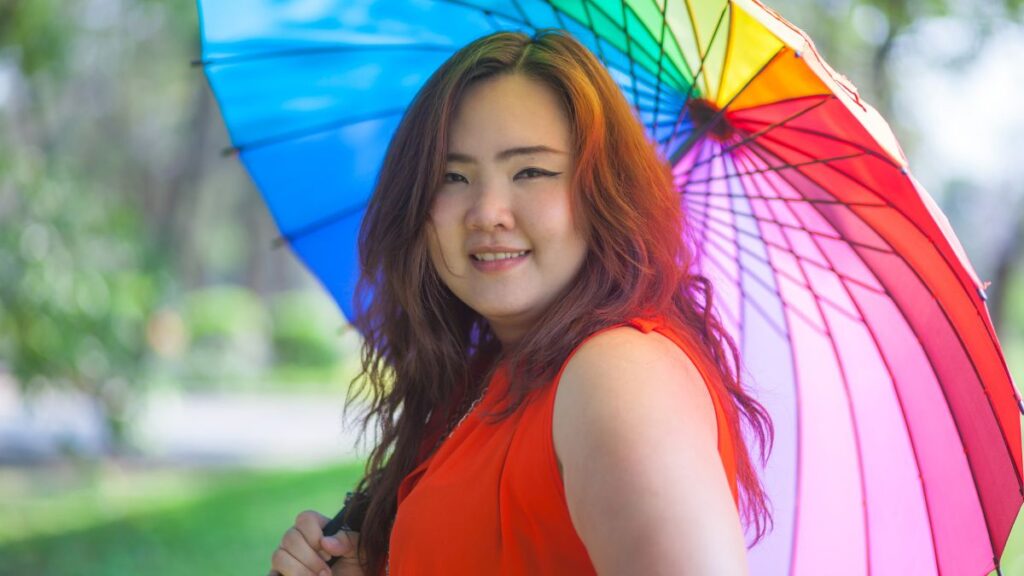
column 548, row 407
column 547, row 415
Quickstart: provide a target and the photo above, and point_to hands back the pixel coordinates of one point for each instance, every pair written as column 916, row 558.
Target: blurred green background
column 140, row 293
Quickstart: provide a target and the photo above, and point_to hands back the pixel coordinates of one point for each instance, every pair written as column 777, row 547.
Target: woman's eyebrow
column 505, row 154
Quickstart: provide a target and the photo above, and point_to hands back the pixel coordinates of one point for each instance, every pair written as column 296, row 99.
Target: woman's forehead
column 506, row 113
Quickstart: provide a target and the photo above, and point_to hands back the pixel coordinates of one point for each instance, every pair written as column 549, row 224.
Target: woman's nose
column 491, row 207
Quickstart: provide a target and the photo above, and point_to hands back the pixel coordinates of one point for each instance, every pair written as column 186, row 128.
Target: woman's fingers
column 341, row 544
column 296, row 549
column 310, row 524
column 284, row 563
column 304, row 549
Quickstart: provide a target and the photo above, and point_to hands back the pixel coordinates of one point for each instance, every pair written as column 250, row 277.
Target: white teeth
column 489, row 256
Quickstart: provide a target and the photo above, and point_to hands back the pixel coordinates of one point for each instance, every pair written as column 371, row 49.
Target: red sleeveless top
column 490, row 500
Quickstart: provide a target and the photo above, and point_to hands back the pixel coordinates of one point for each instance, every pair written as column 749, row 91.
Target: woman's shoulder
column 641, row 342
column 626, row 368
column 634, row 420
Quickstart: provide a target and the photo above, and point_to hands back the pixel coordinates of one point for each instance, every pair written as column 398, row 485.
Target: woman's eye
column 531, row 173
column 453, row 177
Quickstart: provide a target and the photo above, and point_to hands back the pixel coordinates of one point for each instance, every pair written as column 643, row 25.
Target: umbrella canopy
column 862, row 326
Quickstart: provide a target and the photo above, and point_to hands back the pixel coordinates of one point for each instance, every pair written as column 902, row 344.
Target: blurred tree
column 114, row 199
column 76, row 288
column 93, row 131
column 858, row 37
column 31, row 28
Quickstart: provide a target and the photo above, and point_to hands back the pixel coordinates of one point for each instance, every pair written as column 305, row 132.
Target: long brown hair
column 424, row 350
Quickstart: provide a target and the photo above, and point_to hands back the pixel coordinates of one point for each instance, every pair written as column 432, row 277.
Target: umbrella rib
column 889, row 371
column 845, row 375
column 629, row 48
column 792, row 148
column 589, row 24
column 767, row 262
column 523, row 16
column 316, row 50
column 739, row 264
column 310, row 131
column 717, row 246
column 701, row 72
column 956, row 333
column 802, row 200
column 558, row 15
column 319, row 223
column 777, row 169
column 755, row 151
column 722, row 312
column 790, row 227
column 706, row 127
column 880, row 196
column 706, row 207
column 475, row 8
column 624, row 29
column 661, row 57
column 753, row 136
column 773, row 289
column 729, row 43
column 696, row 39
column 786, row 319
column 702, row 226
column 710, row 239
column 818, row 300
column 657, row 107
column 495, row 25
column 832, row 137
column 725, row 274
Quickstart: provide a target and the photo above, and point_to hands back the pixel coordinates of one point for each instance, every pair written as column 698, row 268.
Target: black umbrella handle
column 349, row 518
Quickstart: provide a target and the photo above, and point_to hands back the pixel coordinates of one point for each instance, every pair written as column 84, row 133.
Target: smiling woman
column 548, row 377
column 501, row 231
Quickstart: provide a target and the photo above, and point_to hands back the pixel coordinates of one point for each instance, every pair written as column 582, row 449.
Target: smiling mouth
column 497, row 256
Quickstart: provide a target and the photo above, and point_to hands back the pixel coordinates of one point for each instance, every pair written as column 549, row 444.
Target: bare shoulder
column 635, row 434
column 624, row 370
column 627, row 347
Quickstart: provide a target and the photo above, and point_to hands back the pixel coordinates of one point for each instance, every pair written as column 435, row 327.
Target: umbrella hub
column 709, row 119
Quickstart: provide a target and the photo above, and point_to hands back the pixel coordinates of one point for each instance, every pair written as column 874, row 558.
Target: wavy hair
column 424, row 350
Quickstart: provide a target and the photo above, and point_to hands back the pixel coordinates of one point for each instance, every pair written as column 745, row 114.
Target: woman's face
column 501, row 233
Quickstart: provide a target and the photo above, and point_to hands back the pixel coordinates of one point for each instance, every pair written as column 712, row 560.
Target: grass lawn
column 173, row 522
column 158, row 523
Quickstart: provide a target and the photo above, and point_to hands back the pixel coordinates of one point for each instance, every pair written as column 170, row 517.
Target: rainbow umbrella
column 862, row 325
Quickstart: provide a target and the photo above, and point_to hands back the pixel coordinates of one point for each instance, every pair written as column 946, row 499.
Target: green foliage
column 1012, row 327
column 173, row 523
column 305, row 330
column 1015, row 302
column 228, row 328
column 224, row 312
column 77, row 284
column 37, row 30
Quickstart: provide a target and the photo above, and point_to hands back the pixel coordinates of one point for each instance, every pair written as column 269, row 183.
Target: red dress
column 491, row 499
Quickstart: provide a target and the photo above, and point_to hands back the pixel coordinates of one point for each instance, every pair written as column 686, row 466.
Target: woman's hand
column 304, row 550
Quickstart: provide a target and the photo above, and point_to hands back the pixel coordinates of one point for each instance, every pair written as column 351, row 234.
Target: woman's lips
column 499, row 265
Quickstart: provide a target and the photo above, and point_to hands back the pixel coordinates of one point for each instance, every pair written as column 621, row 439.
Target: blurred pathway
column 205, row 429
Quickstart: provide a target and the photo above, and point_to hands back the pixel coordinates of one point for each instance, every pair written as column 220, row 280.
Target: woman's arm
column 636, row 437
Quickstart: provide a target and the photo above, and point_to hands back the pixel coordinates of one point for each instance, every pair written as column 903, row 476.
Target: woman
column 525, row 239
